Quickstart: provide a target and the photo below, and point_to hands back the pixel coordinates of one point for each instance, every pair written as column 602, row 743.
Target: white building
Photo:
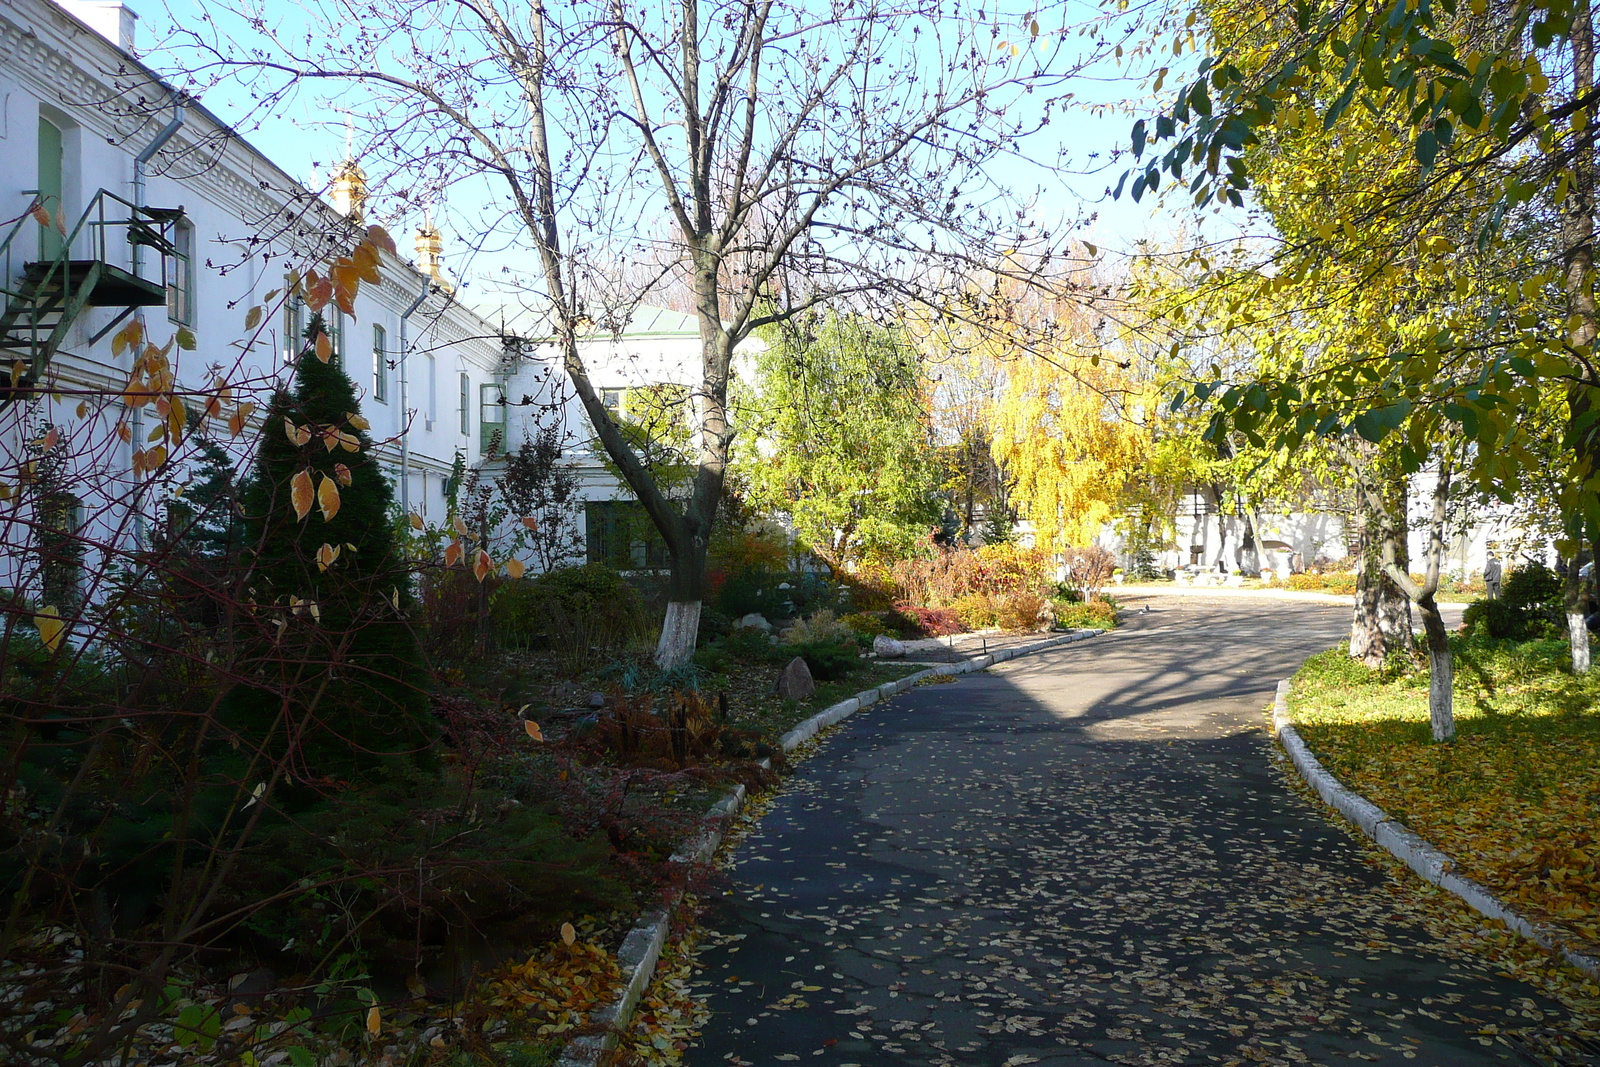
column 160, row 213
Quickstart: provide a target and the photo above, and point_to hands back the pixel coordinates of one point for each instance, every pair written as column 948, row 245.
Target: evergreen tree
column 328, row 577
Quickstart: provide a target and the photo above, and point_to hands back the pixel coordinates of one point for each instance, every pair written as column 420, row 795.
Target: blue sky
column 309, row 135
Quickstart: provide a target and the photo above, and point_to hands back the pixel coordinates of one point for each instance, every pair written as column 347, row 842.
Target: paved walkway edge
column 641, row 949
column 1411, row 849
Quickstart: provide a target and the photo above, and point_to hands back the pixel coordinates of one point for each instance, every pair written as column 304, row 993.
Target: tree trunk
column 679, row 633
column 1381, row 620
column 1441, row 670
column 1577, row 609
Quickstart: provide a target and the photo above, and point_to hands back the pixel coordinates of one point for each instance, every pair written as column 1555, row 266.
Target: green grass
column 1514, row 798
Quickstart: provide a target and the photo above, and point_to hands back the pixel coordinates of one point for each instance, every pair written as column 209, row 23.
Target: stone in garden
column 887, row 647
column 795, row 682
column 754, row 621
column 597, row 700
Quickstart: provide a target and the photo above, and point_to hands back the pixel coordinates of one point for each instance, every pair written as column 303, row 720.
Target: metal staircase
column 45, row 297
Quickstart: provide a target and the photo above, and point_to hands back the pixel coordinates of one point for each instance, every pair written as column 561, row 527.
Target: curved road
column 1086, row 857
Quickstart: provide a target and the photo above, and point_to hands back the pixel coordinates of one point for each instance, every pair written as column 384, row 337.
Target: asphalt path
column 1088, row 856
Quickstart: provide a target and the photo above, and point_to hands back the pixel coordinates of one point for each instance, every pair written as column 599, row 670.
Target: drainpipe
column 140, row 161
column 405, row 394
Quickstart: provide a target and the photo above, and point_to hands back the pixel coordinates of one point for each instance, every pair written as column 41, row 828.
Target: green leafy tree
column 329, row 586
column 840, row 438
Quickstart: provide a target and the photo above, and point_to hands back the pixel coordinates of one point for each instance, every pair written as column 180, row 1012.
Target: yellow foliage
column 1067, row 439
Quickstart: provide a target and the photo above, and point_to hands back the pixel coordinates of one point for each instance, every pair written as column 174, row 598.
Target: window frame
column 180, row 287
column 464, row 403
column 380, row 363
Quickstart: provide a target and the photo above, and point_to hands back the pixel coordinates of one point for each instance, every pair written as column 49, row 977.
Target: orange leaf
column 533, row 729
column 51, row 627
column 346, row 300
column 482, row 566
column 380, row 237
column 40, row 213
column 514, row 568
column 452, row 553
column 568, row 934
column 298, row 435
column 236, row 424
column 530, row 522
column 324, row 347
column 365, row 258
column 319, row 291
column 326, row 555
column 48, row 441
column 415, row 519
column 341, row 472
column 357, row 422
column 374, row 1021
column 300, row 494
column 459, row 526
column 328, row 498
column 124, row 432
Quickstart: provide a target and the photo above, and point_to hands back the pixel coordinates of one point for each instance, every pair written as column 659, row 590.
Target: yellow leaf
column 514, row 568
column 328, row 498
column 357, row 421
column 374, row 1021
column 483, row 566
column 83, row 408
column 326, row 555
column 568, row 934
column 324, row 347
column 252, row 318
column 177, row 418
column 535, row 733
column 185, row 339
column 415, row 519
column 50, row 626
column 459, row 526
column 342, row 473
column 300, row 494
column 298, row 435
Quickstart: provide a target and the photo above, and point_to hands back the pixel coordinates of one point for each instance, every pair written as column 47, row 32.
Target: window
column 464, row 408
column 180, row 279
column 61, row 550
column 611, row 400
column 380, row 365
column 293, row 325
column 336, row 337
column 491, row 417
column 620, row 533
column 432, row 411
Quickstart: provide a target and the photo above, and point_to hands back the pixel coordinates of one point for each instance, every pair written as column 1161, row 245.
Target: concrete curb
column 641, row 949
column 1412, row 850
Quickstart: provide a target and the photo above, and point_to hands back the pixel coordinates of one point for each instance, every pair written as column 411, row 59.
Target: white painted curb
column 641, row 949
column 1412, row 850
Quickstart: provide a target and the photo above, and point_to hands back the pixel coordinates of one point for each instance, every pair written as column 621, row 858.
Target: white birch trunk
column 679, row 633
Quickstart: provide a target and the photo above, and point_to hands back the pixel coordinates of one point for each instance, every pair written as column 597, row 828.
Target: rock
column 597, row 700
column 753, row 621
column 887, row 647
column 795, row 682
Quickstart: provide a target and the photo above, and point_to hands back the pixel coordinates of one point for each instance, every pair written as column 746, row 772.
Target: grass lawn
column 1514, row 799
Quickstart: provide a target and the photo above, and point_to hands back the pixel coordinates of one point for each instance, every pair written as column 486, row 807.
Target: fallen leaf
column 568, row 934
column 538, row 735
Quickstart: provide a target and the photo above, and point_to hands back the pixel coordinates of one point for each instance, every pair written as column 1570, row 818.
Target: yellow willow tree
column 1071, row 440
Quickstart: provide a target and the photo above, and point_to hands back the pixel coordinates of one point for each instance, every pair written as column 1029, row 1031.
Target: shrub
column 1021, row 611
column 977, row 611
column 1089, row 569
column 581, row 613
column 1095, row 615
column 753, row 591
column 713, row 659
column 1332, row 582
column 751, row 645
column 870, row 588
column 929, row 622
column 868, row 624
column 1532, row 585
column 820, row 627
column 828, row 660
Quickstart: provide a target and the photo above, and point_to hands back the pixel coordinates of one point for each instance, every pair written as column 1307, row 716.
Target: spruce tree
column 333, row 584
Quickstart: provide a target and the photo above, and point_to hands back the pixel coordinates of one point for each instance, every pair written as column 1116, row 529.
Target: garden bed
column 1514, row 800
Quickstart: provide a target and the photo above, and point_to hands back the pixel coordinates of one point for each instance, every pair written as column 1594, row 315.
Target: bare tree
column 770, row 155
